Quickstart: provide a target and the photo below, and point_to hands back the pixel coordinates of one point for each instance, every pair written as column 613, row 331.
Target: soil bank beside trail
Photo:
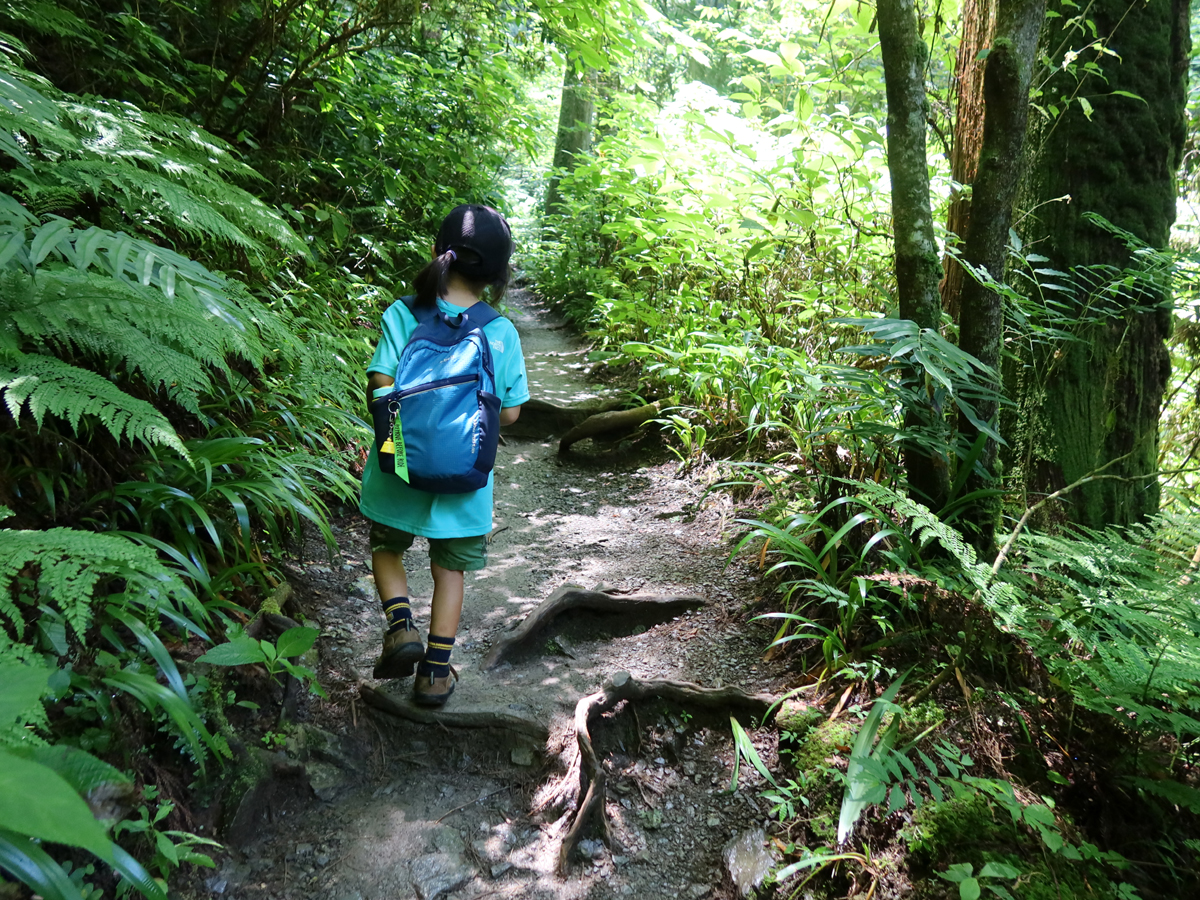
column 390, row 809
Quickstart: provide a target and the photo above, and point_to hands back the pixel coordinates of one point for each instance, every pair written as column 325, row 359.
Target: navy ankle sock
column 399, row 614
column 437, row 657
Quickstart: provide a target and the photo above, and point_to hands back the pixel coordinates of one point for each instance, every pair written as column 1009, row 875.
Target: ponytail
column 431, row 280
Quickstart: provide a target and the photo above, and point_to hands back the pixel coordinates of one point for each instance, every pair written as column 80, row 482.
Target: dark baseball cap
column 482, row 230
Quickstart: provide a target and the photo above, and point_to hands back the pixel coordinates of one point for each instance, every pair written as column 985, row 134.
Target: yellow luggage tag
column 397, row 442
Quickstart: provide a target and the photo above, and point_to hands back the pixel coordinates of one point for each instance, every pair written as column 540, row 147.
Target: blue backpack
column 439, row 427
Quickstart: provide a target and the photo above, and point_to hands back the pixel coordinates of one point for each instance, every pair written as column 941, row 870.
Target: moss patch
column 971, row 830
column 822, row 743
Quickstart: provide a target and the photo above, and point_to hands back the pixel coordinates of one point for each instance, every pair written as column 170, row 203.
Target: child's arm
column 377, row 380
column 509, row 414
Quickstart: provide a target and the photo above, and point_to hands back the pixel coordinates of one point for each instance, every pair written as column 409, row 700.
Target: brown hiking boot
column 429, row 690
column 402, row 650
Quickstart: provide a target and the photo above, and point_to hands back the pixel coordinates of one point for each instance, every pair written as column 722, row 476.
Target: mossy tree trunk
column 1006, row 83
column 918, row 268
column 1094, row 402
column 576, row 113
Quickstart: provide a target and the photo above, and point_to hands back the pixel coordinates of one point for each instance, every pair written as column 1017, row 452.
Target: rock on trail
column 372, row 799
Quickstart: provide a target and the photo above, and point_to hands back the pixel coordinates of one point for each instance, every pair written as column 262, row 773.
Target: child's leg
column 449, row 558
column 447, row 600
column 391, row 580
column 443, row 623
column 401, row 642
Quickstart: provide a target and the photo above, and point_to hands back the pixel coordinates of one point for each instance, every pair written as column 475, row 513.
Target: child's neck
column 458, row 294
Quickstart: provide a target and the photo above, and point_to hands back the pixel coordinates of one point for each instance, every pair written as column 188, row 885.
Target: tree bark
column 918, row 268
column 1095, row 401
column 574, row 138
column 978, row 27
column 981, row 331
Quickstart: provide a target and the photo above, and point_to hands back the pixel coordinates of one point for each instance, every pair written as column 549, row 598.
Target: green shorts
column 460, row 554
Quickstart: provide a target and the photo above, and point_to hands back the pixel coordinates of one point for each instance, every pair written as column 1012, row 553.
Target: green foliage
column 969, row 881
column 42, row 800
column 242, row 650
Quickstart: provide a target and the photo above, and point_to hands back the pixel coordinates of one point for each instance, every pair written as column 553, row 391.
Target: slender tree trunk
column 1094, row 402
column 978, row 26
column 918, row 269
column 574, row 138
column 1006, row 106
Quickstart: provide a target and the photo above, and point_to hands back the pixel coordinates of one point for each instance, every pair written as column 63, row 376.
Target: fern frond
column 45, row 385
column 164, row 168
column 164, row 199
column 70, row 564
column 110, row 296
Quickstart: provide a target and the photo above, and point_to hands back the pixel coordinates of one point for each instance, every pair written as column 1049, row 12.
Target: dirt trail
column 360, row 804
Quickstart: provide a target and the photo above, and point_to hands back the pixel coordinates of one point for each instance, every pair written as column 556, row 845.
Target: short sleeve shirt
column 387, row 498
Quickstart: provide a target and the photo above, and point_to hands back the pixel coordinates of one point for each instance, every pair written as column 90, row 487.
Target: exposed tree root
column 616, row 422
column 540, row 419
column 591, row 774
column 574, row 597
column 452, row 716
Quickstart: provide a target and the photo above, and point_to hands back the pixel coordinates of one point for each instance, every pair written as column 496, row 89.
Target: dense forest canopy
column 913, row 281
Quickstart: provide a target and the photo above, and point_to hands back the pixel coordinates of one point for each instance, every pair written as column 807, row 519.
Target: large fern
column 68, row 564
column 44, row 384
column 1114, row 615
column 126, row 304
column 161, row 171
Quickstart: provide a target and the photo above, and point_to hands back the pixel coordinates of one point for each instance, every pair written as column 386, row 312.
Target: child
column 472, row 252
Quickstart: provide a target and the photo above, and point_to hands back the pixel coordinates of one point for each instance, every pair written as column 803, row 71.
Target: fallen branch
column 622, row 686
column 570, row 597
column 453, row 717
column 618, row 421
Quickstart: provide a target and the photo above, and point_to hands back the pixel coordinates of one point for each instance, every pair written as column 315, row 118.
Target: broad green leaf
column 31, row 865
column 20, row 687
column 766, row 57
column 296, row 641
column 968, row 889
column 36, row 801
column 46, row 239
column 133, row 871
column 82, row 771
column 957, row 873
column 9, row 245
column 999, row 870
column 239, row 652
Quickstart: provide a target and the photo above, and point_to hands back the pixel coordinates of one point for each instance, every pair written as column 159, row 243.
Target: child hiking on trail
column 447, row 372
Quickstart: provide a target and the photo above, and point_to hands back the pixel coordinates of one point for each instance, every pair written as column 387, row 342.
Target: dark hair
column 474, row 243
column 431, row 282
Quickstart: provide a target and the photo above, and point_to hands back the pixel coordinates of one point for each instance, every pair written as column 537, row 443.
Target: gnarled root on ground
column 622, row 686
column 574, row 597
column 452, row 716
column 617, row 422
column 540, row 419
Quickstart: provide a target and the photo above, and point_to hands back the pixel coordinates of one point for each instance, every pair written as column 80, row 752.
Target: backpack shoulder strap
column 481, row 314
column 423, row 314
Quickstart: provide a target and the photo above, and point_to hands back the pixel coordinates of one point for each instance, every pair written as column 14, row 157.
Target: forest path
column 399, row 809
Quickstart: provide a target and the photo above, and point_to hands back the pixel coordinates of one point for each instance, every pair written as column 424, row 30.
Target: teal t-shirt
column 387, row 498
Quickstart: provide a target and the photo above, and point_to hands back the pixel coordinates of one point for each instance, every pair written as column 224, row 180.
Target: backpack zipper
column 437, row 385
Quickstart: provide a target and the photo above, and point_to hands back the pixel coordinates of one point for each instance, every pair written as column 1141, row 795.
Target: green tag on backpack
column 401, row 455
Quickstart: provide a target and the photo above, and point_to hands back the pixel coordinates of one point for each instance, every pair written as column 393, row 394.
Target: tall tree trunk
column 1094, row 402
column 978, row 26
column 574, row 138
column 918, row 269
column 981, row 331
